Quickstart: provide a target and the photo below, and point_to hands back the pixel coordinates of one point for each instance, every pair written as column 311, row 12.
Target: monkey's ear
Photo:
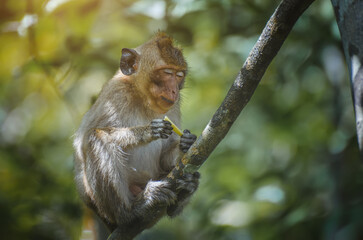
column 128, row 63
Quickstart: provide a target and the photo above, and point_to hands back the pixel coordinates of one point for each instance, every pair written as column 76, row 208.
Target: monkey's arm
column 133, row 136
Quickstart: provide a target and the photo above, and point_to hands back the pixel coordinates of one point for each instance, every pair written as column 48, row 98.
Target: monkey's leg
column 147, row 209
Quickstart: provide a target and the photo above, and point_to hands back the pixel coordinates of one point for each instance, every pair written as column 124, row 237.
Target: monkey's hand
column 186, row 186
column 186, row 140
column 159, row 193
column 160, row 128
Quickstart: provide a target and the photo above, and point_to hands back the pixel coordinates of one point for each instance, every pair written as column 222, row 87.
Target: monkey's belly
column 146, row 159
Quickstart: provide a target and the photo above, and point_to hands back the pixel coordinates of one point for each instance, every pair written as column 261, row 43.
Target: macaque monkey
column 124, row 148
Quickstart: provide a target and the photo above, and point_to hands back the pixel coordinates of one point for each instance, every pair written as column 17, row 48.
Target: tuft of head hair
column 168, row 52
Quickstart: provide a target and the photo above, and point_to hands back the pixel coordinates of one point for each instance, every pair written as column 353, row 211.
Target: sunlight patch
column 53, row 4
column 153, row 9
column 27, row 21
column 270, row 193
column 231, row 213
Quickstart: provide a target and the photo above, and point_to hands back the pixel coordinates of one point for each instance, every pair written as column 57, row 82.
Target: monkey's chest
column 146, row 158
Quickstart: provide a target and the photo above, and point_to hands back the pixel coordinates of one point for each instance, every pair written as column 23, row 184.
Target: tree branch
column 266, row 48
column 350, row 22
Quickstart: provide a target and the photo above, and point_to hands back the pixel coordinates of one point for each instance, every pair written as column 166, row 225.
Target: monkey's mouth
column 171, row 102
column 162, row 105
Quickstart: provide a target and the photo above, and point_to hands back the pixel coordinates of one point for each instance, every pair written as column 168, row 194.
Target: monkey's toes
column 159, row 193
column 189, row 182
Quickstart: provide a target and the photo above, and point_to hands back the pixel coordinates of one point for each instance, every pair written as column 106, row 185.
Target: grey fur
column 120, row 144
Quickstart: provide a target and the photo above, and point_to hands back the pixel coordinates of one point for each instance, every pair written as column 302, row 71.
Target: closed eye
column 180, row 74
column 168, row 71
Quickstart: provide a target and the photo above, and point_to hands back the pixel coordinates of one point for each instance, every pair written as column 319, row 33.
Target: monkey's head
column 157, row 69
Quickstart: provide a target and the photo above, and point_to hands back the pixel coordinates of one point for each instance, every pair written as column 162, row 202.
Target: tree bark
column 349, row 16
column 242, row 89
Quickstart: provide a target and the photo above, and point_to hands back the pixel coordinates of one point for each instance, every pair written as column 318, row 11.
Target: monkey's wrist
column 148, row 135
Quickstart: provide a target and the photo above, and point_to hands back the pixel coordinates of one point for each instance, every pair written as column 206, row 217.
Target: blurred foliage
column 288, row 169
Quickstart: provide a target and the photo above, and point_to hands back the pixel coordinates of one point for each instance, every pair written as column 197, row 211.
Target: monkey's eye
column 180, row 74
column 168, row 71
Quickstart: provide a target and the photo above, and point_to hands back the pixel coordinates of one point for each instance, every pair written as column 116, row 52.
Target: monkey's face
column 165, row 85
column 157, row 69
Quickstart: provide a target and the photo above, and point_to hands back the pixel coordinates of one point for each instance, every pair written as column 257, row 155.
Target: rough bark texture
column 267, row 46
column 349, row 15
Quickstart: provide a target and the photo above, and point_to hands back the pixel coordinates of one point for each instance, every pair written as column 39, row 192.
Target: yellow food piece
column 175, row 128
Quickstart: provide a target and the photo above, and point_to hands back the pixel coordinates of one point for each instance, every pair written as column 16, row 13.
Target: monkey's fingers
column 161, row 128
column 190, row 140
column 160, row 123
column 190, row 187
column 184, row 147
column 159, row 193
column 186, row 140
column 157, row 120
column 165, row 135
column 186, row 144
column 161, row 135
column 188, row 134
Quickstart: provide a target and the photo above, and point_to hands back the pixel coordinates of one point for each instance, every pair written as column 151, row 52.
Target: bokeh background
column 288, row 169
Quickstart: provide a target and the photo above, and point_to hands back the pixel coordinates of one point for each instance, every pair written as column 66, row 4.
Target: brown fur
column 118, row 159
column 171, row 55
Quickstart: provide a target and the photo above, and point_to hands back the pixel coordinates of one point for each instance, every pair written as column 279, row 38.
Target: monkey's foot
column 159, row 193
column 189, row 182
